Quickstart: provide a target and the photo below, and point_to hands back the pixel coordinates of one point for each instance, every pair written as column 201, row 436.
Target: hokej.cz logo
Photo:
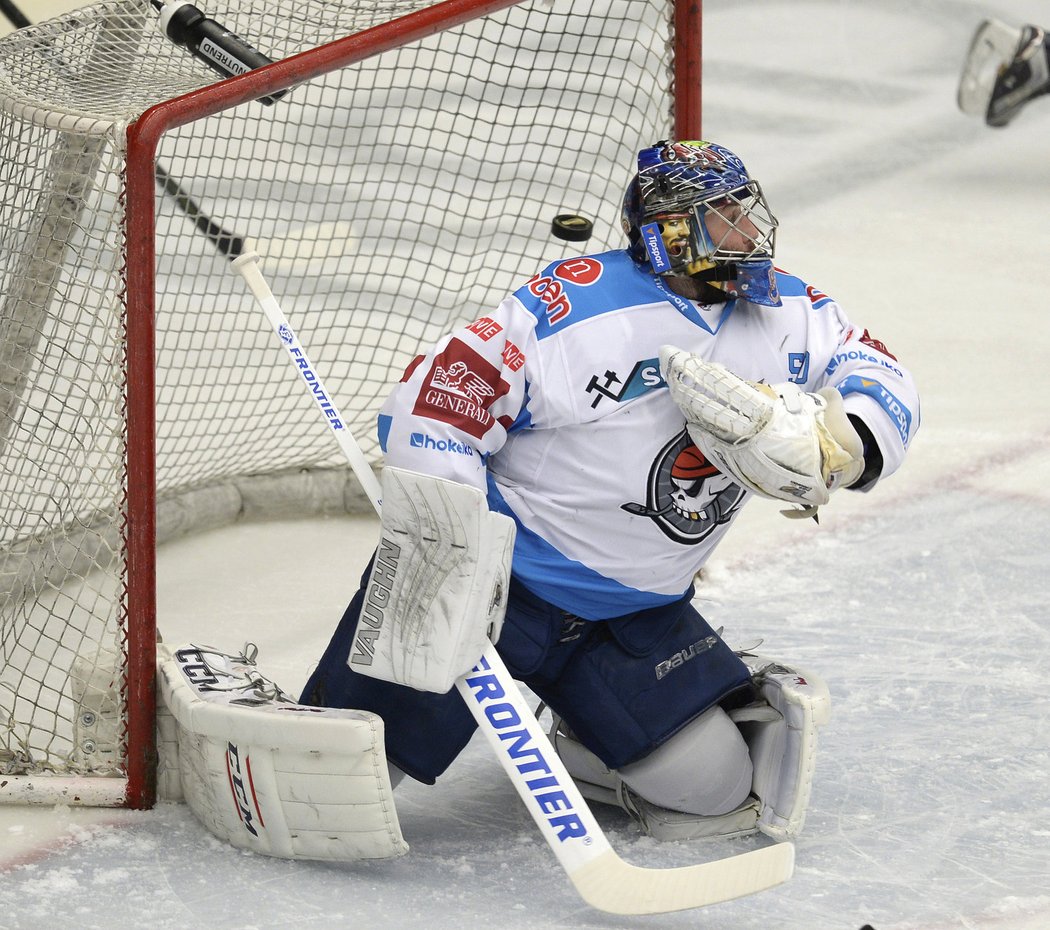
column 423, row 441
column 859, row 355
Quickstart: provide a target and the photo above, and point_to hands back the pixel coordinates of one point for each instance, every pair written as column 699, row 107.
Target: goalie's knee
column 705, row 768
column 667, row 790
column 723, row 774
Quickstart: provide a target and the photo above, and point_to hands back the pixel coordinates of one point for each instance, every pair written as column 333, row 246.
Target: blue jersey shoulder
column 791, row 286
column 575, row 289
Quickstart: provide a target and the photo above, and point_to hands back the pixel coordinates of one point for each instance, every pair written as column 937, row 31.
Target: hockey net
column 403, row 186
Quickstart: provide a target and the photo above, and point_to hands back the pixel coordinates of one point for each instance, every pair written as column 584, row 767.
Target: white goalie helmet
column 693, row 210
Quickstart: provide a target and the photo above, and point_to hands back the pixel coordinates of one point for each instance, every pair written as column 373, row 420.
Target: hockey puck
column 571, row 227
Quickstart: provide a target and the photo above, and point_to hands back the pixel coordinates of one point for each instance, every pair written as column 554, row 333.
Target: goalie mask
column 692, row 210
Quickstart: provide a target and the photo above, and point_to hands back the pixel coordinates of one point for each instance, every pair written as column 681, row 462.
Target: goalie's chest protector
column 617, row 509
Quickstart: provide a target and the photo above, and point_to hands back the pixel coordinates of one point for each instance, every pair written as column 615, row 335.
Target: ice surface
column 924, row 605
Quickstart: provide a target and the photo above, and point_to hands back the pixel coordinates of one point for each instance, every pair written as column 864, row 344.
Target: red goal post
column 406, row 181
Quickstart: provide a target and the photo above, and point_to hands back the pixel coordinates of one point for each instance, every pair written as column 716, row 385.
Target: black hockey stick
column 13, row 15
column 198, row 34
column 229, row 244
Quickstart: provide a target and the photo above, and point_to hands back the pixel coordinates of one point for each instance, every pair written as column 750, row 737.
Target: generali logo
column 459, row 389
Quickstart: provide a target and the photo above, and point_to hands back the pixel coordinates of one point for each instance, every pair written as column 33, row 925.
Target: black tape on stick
column 221, row 50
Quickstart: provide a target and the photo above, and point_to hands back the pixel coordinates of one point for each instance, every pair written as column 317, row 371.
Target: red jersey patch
column 412, row 366
column 485, row 328
column 513, row 357
column 876, row 345
column 459, row 389
column 582, row 271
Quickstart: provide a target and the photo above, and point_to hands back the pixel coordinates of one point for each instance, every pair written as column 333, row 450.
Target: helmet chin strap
column 699, row 285
column 714, row 271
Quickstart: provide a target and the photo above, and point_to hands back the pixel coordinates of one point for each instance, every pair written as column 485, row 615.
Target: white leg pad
column 781, row 732
column 267, row 774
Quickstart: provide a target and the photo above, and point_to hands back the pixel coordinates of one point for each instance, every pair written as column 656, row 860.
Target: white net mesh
column 390, row 200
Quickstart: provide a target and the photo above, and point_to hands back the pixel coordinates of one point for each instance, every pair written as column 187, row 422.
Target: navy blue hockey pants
column 624, row 686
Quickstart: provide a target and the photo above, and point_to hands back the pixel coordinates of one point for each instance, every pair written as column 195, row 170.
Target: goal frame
column 143, row 137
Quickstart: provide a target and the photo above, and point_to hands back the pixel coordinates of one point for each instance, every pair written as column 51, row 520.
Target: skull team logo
column 686, row 496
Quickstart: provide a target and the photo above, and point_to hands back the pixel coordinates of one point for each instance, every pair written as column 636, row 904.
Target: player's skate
column 1005, row 67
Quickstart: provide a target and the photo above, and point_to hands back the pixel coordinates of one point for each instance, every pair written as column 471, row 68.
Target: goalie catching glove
column 777, row 441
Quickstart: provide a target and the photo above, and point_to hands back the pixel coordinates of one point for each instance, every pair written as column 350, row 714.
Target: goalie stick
column 600, row 876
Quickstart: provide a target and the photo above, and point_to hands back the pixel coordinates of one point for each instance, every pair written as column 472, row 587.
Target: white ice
column 924, row 604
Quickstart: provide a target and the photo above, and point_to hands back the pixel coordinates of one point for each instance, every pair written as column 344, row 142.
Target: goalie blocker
column 437, row 594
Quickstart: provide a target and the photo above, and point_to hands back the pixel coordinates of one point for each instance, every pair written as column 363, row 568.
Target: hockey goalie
column 556, row 474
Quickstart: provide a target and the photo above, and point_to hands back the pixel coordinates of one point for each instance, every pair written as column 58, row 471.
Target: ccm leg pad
column 265, row 773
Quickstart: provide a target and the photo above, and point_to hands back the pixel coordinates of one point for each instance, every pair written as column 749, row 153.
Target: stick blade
column 617, row 887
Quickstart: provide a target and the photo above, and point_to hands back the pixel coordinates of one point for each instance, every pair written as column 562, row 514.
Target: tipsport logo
column 645, row 376
column 895, row 409
column 654, row 245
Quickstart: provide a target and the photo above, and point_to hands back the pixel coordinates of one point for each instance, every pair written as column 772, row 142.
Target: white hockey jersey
column 555, row 405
